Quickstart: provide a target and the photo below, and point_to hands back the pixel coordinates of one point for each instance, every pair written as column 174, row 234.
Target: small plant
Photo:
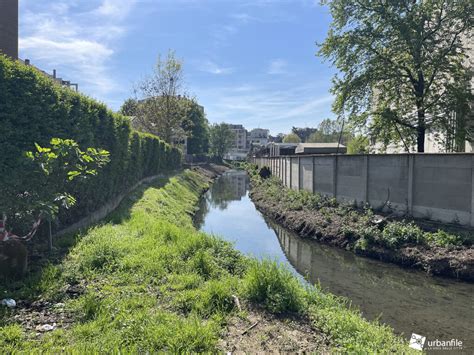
column 444, row 239
column 273, row 286
column 396, row 234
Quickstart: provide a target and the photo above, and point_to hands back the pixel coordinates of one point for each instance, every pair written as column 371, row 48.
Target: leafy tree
column 292, row 138
column 303, row 133
column 162, row 110
column 197, row 128
column 329, row 131
column 222, row 139
column 129, row 107
column 402, row 63
column 52, row 169
column 358, row 145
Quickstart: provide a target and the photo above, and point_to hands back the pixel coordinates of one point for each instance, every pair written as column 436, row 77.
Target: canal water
column 407, row 300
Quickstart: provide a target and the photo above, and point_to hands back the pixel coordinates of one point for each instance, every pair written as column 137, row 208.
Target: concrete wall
column 9, row 28
column 432, row 186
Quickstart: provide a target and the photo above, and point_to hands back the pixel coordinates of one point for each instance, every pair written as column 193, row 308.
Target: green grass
column 154, row 283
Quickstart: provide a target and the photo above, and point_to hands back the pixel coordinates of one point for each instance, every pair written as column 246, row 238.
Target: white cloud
column 277, row 66
column 264, row 106
column 76, row 38
column 211, row 67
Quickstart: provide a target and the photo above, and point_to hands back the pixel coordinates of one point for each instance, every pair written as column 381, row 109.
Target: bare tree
column 162, row 101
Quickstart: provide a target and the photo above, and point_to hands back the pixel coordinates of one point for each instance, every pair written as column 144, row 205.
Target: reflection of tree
column 229, row 187
column 201, row 214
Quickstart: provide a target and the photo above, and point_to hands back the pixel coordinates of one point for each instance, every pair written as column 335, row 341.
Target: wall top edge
column 370, row 155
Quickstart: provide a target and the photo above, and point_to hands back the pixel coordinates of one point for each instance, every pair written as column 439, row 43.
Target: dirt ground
column 257, row 333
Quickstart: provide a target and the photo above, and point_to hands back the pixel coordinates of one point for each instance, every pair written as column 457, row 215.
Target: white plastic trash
column 9, row 302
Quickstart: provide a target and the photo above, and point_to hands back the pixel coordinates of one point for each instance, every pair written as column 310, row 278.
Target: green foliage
column 129, row 107
column 274, row 287
column 402, row 64
column 329, row 131
column 57, row 166
column 197, row 128
column 396, row 234
column 445, row 239
column 222, row 139
column 358, row 145
column 33, row 109
column 291, row 138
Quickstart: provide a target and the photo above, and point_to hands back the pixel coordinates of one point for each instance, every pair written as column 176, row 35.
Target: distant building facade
column 239, row 149
column 9, row 28
column 258, row 136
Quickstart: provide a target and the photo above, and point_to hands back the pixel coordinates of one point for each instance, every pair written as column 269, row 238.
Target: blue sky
column 247, row 61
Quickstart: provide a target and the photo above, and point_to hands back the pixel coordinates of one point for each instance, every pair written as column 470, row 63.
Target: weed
column 273, row 286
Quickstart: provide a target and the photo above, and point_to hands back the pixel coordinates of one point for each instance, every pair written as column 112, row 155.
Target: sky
column 250, row 62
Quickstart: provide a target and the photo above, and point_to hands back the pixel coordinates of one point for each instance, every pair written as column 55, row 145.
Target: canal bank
column 438, row 249
column 145, row 280
column 407, row 300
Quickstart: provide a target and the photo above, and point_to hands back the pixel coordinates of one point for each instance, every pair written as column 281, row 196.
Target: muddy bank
column 342, row 228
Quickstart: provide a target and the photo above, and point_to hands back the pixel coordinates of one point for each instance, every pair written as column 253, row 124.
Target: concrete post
column 300, row 177
column 291, row 172
column 313, row 175
column 411, row 160
column 365, row 177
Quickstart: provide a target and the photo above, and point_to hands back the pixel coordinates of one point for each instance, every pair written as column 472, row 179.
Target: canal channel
column 407, row 300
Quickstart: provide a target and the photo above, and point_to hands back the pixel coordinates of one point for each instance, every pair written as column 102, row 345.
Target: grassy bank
column 146, row 280
column 442, row 250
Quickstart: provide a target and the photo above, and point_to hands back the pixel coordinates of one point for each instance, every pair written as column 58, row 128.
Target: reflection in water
column 407, row 300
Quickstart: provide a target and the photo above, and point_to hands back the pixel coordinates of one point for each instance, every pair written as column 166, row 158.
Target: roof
column 320, row 148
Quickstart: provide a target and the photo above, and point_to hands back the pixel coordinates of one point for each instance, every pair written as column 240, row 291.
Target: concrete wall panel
column 324, row 174
column 306, row 181
column 350, row 178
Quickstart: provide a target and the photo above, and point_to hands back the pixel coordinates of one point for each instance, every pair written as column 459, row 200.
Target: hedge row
column 33, row 108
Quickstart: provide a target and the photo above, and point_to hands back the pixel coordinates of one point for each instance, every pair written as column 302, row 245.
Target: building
column 257, row 136
column 9, row 28
column 9, row 39
column 320, row 148
column 279, row 149
column 239, row 149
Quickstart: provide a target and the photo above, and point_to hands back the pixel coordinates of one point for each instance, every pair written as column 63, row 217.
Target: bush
column 269, row 284
column 33, row 109
column 396, row 234
column 444, row 239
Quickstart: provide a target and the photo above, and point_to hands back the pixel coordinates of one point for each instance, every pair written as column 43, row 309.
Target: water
column 407, row 300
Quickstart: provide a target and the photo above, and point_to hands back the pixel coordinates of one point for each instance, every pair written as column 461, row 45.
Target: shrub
column 269, row 284
column 444, row 239
column 396, row 234
column 34, row 109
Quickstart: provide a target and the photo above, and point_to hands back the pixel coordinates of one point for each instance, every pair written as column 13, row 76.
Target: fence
column 432, row 186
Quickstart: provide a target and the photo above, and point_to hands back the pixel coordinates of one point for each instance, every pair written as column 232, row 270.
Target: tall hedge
column 33, row 108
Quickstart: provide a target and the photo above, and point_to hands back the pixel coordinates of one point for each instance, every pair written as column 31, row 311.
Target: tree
column 197, row 128
column 222, row 139
column 358, row 145
column 162, row 107
column 329, row 131
column 52, row 169
column 402, row 63
column 303, row 133
column 291, row 138
column 129, row 107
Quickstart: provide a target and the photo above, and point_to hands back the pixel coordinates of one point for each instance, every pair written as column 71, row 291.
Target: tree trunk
column 420, row 131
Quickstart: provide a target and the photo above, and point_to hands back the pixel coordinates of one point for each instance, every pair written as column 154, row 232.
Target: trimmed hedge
column 33, row 108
